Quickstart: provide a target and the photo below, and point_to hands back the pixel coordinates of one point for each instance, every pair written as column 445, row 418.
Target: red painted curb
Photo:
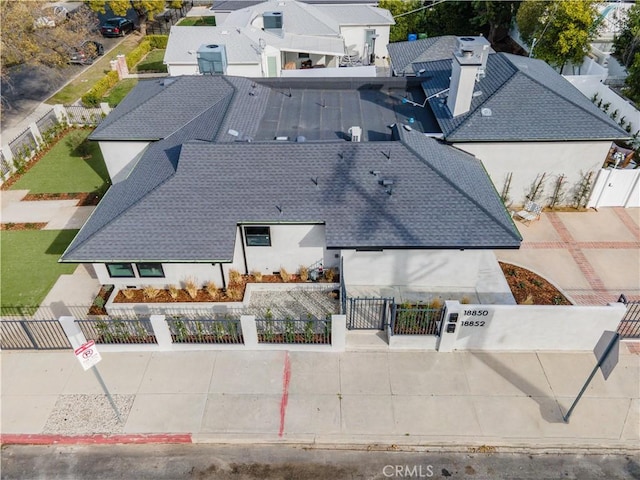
column 98, row 439
column 286, row 378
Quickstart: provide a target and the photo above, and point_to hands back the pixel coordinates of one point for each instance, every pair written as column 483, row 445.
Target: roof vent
column 224, row 32
column 356, row 134
column 486, row 112
column 282, row 139
column 386, row 182
column 301, row 139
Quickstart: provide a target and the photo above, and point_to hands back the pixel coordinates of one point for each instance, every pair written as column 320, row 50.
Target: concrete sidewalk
column 57, row 214
column 454, row 400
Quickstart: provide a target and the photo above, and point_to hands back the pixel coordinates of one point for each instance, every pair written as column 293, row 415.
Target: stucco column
column 338, row 333
column 448, row 338
column 162, row 332
column 249, row 331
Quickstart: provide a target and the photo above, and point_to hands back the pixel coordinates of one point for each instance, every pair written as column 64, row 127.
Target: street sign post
column 88, row 355
column 606, row 351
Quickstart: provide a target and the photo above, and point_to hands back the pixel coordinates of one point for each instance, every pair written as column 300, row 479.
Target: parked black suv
column 116, row 27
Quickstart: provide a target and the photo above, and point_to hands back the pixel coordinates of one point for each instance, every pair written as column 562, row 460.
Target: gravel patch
column 80, row 414
column 294, row 303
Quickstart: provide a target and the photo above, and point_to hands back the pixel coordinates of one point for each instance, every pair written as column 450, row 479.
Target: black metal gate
column 630, row 324
column 32, row 335
column 364, row 313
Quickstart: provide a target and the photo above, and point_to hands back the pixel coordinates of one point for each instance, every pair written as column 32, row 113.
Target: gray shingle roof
column 191, row 213
column 357, row 14
column 148, row 112
column 403, row 54
column 528, row 100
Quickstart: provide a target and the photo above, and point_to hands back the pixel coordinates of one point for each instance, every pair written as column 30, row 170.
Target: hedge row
column 94, row 96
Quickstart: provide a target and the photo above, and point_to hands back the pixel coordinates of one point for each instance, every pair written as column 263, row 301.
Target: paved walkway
column 592, row 256
column 57, row 214
column 460, row 399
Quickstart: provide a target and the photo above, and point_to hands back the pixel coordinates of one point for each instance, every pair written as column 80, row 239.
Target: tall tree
column 558, row 31
column 498, row 15
column 28, row 40
column 407, row 15
column 145, row 9
column 627, row 43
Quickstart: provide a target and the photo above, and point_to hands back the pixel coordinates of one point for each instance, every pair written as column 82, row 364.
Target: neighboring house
column 402, row 55
column 243, row 57
column 232, row 173
column 517, row 115
column 284, row 35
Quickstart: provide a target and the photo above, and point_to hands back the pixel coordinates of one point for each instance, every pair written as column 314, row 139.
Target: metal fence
column 225, row 331
column 630, row 324
column 32, row 335
column 118, row 331
column 367, row 313
column 415, row 320
column 23, row 144
column 80, row 115
column 48, row 121
column 311, row 331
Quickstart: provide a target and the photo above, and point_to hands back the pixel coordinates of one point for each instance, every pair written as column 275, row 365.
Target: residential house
column 266, row 38
column 528, row 124
column 257, row 175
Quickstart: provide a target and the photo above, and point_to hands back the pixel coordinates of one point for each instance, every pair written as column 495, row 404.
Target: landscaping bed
column 22, row 226
column 529, row 288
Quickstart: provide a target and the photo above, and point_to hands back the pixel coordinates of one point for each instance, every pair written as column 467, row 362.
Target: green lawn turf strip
column 63, row 170
column 29, row 265
column 152, row 62
column 121, row 90
column 209, row 21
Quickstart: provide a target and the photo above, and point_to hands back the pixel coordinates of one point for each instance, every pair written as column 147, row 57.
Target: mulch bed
column 234, row 292
column 531, row 289
column 22, row 226
column 103, row 295
column 84, row 199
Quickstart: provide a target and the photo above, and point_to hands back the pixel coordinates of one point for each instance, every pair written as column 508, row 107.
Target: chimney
column 469, row 62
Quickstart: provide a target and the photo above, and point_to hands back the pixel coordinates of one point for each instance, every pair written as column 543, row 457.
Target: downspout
column 224, row 284
column 244, row 253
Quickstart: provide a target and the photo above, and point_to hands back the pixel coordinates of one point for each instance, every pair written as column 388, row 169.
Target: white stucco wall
column 238, row 70
column 529, row 327
column 176, row 70
column 291, row 247
column 119, row 155
column 354, row 38
column 526, row 160
column 442, row 269
column 175, row 274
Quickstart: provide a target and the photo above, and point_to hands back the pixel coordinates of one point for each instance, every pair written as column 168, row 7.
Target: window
column 257, row 236
column 120, row 270
column 303, row 55
column 150, row 269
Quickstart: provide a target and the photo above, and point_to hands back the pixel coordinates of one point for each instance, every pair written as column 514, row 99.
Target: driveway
column 591, row 256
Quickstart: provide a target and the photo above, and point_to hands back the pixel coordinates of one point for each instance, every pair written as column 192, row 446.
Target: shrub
column 303, row 272
column 211, row 289
column 99, row 302
column 191, row 287
column 465, row 299
column 234, row 293
column 150, row 292
column 284, row 275
column 235, row 278
column 173, row 291
column 138, row 53
column 158, row 41
column 257, row 275
column 129, row 293
column 329, row 274
column 93, row 97
column 436, row 303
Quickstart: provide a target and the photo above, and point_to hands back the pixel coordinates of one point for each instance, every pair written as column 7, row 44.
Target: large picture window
column 257, row 236
column 150, row 270
column 120, row 270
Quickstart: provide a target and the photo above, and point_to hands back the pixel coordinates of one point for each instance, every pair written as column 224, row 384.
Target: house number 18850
column 476, row 313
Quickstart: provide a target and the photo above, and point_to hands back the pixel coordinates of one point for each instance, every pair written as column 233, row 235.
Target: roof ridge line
column 463, row 192
column 593, row 114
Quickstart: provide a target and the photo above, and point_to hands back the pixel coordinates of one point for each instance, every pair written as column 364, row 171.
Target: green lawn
column 83, row 83
column 29, row 265
column 63, row 170
column 121, row 90
column 152, row 62
column 198, row 22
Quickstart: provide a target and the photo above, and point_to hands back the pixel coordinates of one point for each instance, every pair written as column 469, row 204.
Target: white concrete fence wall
column 527, row 327
column 249, row 333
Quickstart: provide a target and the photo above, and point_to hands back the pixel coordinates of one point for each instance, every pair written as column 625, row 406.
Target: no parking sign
column 88, row 354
